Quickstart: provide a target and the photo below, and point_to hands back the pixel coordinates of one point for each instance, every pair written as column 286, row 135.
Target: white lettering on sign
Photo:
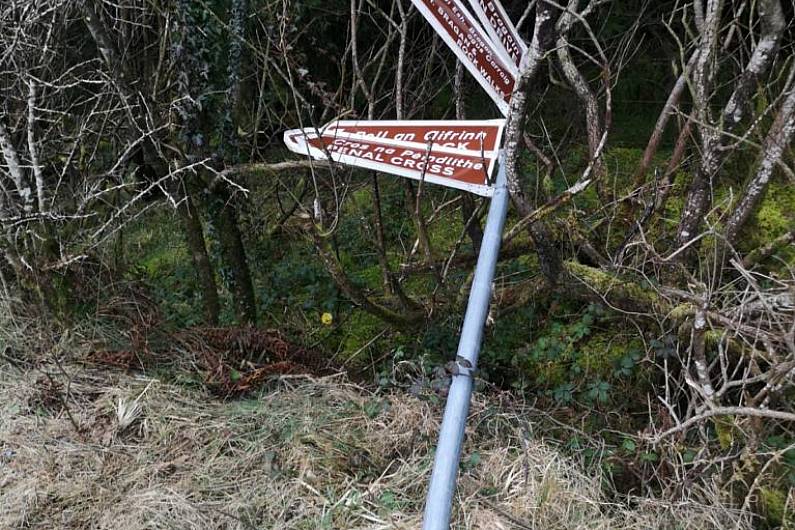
column 503, row 33
column 492, row 69
column 372, row 145
column 467, row 135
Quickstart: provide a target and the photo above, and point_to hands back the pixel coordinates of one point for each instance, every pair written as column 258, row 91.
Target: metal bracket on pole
column 448, row 451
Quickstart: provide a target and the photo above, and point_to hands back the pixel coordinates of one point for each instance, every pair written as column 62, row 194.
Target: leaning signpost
column 457, row 154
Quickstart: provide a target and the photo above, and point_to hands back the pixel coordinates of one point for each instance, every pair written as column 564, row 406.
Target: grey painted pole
column 448, row 451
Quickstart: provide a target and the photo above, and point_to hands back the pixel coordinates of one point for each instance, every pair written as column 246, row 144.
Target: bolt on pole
column 451, row 436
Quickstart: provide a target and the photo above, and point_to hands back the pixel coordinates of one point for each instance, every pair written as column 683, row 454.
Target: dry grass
column 304, row 454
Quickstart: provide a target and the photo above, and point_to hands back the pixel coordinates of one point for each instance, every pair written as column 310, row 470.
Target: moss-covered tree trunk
column 194, row 237
column 234, row 255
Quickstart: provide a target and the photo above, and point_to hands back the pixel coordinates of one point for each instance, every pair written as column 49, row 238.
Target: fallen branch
column 723, row 411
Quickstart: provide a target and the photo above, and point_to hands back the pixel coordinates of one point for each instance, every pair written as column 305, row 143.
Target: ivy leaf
column 629, row 445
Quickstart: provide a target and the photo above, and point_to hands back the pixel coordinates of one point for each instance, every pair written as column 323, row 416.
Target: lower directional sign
column 459, row 154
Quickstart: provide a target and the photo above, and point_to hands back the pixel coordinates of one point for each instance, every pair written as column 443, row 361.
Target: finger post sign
column 456, row 154
column 456, row 26
column 498, row 25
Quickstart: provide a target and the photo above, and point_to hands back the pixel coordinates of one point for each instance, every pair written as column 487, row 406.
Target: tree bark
column 712, row 153
column 669, row 109
column 778, row 138
column 771, row 18
column 593, row 123
column 194, row 236
column 23, row 191
column 234, row 255
column 543, row 37
column 698, row 195
column 223, row 207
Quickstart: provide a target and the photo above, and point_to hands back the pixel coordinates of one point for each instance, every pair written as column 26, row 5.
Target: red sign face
column 388, row 148
column 500, row 28
column 464, row 135
column 455, row 25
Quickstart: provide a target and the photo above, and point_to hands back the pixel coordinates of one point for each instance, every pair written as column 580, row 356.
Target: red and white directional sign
column 459, row 30
column 500, row 28
column 472, row 135
column 456, row 154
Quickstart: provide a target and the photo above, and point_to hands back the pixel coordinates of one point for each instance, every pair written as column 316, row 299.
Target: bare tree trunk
column 194, row 236
column 224, row 208
column 712, row 153
column 674, row 163
column 234, row 255
column 190, row 88
column 380, row 240
column 33, row 148
column 593, row 122
column 15, row 169
column 698, row 196
column 771, row 18
column 543, row 36
column 778, row 138
column 669, row 109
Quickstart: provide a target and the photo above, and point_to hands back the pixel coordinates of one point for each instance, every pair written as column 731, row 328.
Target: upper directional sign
column 457, row 154
column 491, row 68
column 500, row 28
column 467, row 135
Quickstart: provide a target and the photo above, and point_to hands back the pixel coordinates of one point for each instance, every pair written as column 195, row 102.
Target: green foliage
column 359, row 331
column 159, row 258
column 774, row 217
column 571, row 356
column 774, row 505
column 298, row 281
column 781, row 442
column 471, row 462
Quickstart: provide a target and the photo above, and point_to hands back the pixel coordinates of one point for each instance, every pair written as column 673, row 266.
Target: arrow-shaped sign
column 500, row 28
column 456, row 154
column 458, row 29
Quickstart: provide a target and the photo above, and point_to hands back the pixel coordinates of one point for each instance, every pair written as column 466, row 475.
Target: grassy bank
column 303, row 453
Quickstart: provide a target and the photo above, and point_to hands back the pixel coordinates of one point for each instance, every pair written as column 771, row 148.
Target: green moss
column 360, row 329
column 154, row 246
column 371, row 277
column 774, row 217
column 681, row 311
column 361, row 199
column 602, row 352
column 445, row 232
column 773, row 503
column 621, row 164
column 614, row 287
column 724, row 429
column 164, row 259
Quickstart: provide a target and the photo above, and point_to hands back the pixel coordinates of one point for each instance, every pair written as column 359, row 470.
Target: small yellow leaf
column 326, row 319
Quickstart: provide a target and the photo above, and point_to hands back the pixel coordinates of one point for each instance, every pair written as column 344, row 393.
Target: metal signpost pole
column 451, row 436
